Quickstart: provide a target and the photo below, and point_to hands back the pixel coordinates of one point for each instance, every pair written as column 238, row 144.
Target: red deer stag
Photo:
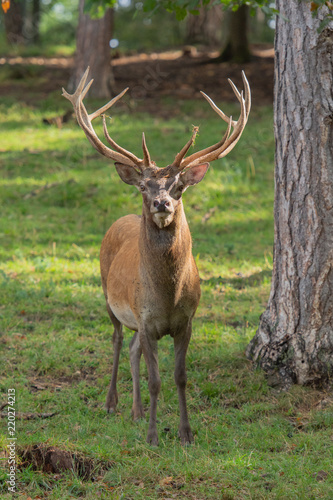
column 149, row 276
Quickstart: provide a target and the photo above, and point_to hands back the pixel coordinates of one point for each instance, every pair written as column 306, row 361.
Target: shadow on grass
column 241, row 282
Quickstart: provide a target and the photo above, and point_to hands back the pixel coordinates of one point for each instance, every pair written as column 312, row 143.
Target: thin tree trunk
column 14, row 23
column 205, row 27
column 237, row 46
column 93, row 49
column 294, row 341
column 35, row 20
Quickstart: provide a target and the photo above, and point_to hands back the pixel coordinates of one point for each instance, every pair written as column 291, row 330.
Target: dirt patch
column 177, row 74
column 53, row 460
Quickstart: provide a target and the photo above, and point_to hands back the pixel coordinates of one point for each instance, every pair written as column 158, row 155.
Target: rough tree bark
column 206, row 27
column 93, row 49
column 294, row 341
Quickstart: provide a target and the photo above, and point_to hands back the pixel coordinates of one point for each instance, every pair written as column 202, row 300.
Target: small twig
column 208, row 215
column 39, row 190
column 29, row 416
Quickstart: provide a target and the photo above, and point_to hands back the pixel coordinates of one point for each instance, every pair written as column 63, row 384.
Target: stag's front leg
column 149, row 349
column 112, row 397
column 181, row 342
column 135, row 356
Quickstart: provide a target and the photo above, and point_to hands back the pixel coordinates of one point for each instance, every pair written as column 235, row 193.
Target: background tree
column 35, row 20
column 237, row 47
column 205, row 27
column 14, row 22
column 93, row 49
column 294, row 341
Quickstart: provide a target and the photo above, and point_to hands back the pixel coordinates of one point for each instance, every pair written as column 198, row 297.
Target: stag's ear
column 195, row 174
column 128, row 174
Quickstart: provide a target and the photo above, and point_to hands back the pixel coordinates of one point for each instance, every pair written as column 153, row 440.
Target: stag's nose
column 162, row 205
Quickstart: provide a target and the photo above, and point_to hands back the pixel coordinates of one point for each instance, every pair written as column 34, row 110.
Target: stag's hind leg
column 181, row 342
column 112, row 397
column 135, row 356
column 149, row 348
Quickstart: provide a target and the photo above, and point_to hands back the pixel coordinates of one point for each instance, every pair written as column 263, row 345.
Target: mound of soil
column 54, row 460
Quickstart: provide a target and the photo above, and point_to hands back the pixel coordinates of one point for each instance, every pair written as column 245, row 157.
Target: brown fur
column 149, row 277
column 151, row 285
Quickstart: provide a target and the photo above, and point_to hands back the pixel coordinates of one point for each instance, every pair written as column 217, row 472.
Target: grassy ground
column 58, row 198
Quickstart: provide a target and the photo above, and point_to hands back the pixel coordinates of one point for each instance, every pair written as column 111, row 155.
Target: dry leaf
column 5, row 6
column 166, row 481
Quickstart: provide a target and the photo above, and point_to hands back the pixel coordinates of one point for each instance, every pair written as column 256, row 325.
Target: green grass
column 58, row 199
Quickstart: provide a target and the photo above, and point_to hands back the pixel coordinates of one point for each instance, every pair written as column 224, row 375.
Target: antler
column 222, row 148
column 84, row 120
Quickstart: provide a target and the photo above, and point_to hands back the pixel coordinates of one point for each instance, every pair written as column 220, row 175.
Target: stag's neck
column 166, row 252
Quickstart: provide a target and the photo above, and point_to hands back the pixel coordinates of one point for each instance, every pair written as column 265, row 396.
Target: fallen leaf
column 5, row 6
column 166, row 481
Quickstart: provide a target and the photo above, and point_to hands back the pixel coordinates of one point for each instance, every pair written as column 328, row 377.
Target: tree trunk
column 237, row 46
column 206, row 27
column 35, row 20
column 14, row 23
column 93, row 49
column 294, row 341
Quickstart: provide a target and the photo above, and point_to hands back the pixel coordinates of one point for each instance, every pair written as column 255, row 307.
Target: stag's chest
column 166, row 309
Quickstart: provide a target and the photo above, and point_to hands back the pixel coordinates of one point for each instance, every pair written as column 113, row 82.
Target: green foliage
column 96, row 8
column 183, row 7
column 59, row 197
column 316, row 6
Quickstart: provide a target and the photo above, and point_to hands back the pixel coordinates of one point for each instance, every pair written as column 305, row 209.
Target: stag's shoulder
column 126, row 224
column 125, row 231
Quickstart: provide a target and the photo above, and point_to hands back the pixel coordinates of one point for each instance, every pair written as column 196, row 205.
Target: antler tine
column 207, row 152
column 247, row 94
column 134, row 159
column 84, row 120
column 73, row 97
column 235, row 136
column 230, row 142
column 146, row 155
column 108, row 105
column 222, row 148
column 217, row 109
column 179, row 157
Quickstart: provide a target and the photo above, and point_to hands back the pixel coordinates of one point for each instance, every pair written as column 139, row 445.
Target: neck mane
column 165, row 250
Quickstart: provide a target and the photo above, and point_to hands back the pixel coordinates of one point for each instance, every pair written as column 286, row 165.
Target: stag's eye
column 180, row 188
column 142, row 187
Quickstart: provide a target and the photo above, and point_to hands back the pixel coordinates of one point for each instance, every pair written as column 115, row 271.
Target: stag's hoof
column 186, row 436
column 152, row 438
column 137, row 412
column 111, row 403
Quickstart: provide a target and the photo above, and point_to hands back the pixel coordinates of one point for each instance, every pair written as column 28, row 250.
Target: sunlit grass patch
column 59, row 197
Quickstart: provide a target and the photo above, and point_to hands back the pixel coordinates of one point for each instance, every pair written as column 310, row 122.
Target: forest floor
column 177, row 74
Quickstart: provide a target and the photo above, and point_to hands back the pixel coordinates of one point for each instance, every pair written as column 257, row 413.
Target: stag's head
column 161, row 188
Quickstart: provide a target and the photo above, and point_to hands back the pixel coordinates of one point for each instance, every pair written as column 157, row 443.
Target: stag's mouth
column 162, row 219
